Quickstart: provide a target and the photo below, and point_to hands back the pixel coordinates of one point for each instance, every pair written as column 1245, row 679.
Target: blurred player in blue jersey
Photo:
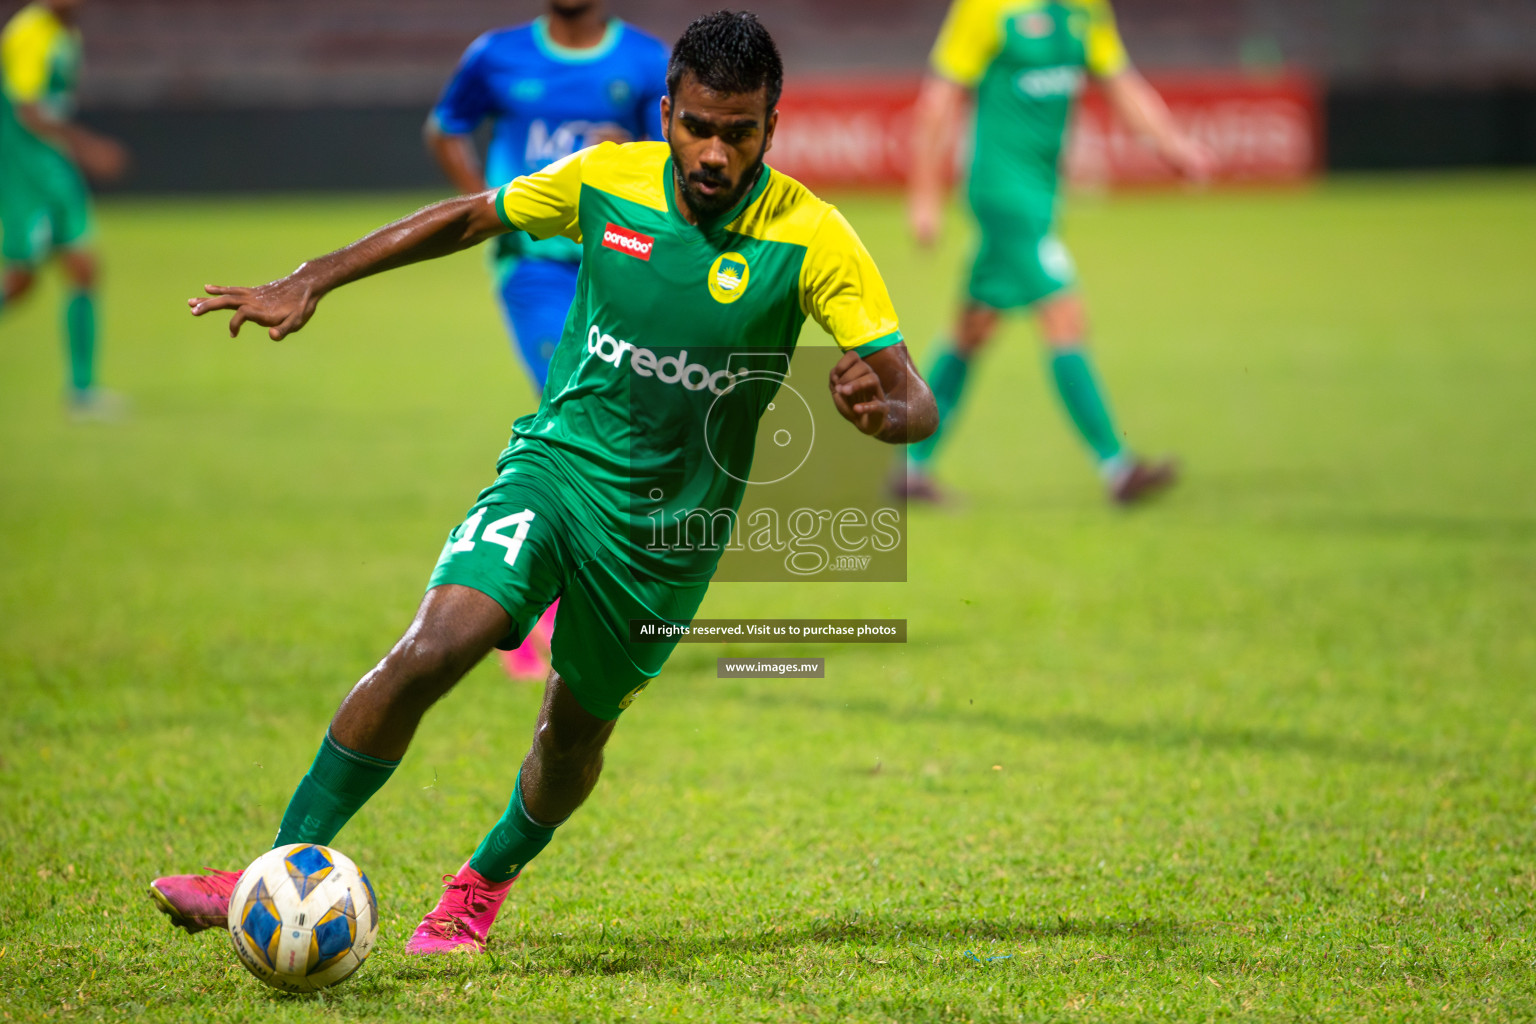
column 571, row 78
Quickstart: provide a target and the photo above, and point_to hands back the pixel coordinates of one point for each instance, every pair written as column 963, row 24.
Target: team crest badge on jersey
column 728, row 277
column 1037, row 25
column 629, row 698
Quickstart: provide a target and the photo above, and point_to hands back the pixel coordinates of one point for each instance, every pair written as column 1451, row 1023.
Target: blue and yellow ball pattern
column 303, row 917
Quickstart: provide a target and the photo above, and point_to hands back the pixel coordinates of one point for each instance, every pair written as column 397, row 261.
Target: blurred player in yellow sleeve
column 45, row 206
column 1026, row 62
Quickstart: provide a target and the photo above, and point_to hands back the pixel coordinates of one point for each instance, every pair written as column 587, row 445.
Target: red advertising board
column 857, row 132
column 845, row 132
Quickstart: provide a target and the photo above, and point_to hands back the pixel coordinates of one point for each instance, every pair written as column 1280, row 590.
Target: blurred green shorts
column 44, row 205
column 1019, row 260
column 528, row 541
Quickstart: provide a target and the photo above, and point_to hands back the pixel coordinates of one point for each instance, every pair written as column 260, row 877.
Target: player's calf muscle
column 566, row 759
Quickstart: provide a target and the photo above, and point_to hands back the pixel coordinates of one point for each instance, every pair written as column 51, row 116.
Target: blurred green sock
column 946, row 378
column 513, row 841
column 338, row 784
column 80, row 335
column 1083, row 398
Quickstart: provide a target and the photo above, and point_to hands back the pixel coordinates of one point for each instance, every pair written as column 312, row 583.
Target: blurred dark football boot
column 912, row 484
column 1143, row 481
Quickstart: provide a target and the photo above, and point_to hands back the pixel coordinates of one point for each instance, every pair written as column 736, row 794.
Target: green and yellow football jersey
column 680, row 335
column 44, row 201
column 1026, row 60
column 39, row 63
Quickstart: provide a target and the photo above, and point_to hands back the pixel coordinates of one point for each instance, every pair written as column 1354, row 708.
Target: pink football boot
column 462, row 919
column 530, row 662
column 195, row 902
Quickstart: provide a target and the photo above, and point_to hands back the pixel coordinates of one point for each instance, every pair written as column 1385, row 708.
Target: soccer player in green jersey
column 1025, row 62
column 694, row 254
column 45, row 206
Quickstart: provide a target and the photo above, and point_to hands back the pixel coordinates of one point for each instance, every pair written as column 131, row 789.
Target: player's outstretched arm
column 1139, row 105
column 884, row 395
column 940, row 105
column 285, row 305
column 103, row 159
column 457, row 157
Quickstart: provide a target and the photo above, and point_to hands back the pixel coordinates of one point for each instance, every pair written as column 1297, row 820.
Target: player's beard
column 572, row 8
column 707, row 207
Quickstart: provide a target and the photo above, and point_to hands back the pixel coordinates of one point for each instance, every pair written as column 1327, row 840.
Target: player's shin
column 513, row 841
column 80, row 339
column 1083, row 398
column 946, row 378
column 338, row 783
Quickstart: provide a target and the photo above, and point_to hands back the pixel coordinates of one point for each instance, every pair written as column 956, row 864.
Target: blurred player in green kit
column 1026, row 62
column 45, row 206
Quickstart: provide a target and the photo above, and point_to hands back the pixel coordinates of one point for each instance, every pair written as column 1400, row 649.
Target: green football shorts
column 528, row 541
column 1019, row 260
column 44, row 205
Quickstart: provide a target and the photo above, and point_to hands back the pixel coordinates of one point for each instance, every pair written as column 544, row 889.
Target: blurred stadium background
column 1383, row 83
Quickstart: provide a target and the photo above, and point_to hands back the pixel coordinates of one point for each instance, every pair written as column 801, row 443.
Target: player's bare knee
column 559, row 744
column 1063, row 321
column 18, row 282
column 968, row 346
column 425, row 667
column 566, row 731
column 976, row 327
column 80, row 269
column 568, row 735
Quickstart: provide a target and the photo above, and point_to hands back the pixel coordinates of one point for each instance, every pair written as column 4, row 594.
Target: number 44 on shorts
column 493, row 534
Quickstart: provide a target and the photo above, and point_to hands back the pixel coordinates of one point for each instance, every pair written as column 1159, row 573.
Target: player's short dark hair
column 729, row 52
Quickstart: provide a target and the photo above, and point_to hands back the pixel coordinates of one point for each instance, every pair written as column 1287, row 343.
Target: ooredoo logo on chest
column 672, row 369
column 632, row 243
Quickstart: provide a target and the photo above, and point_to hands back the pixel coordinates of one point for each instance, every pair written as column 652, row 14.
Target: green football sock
column 339, row 782
column 80, row 334
column 947, row 381
column 513, row 841
column 1079, row 389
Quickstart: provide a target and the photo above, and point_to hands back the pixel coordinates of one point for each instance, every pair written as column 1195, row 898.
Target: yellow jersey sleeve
column 841, row 289
column 971, row 38
column 25, row 52
column 1106, row 53
column 546, row 203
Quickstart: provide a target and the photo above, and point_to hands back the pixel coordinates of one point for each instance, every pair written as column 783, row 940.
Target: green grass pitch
column 1262, row 751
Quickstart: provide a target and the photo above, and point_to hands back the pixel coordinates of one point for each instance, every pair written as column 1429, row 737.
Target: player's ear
column 773, row 122
column 666, row 118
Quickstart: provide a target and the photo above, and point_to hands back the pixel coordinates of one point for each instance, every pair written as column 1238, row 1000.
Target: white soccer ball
column 303, row 917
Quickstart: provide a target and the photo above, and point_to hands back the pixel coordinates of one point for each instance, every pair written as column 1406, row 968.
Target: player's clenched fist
column 283, row 306
column 858, row 393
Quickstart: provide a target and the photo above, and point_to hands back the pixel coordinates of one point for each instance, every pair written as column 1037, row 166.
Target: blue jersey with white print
column 547, row 101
